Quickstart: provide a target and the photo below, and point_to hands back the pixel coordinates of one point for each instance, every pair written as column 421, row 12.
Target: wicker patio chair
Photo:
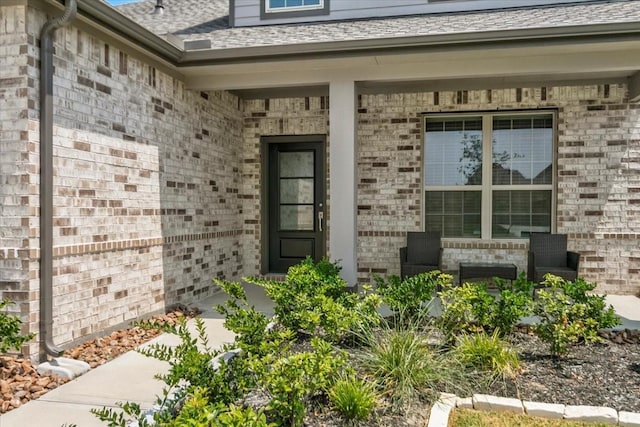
column 548, row 254
column 423, row 253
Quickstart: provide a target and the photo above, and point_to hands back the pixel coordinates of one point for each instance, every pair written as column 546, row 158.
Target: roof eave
column 109, row 18
column 557, row 35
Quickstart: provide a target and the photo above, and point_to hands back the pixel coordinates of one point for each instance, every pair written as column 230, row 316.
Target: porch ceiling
column 435, row 67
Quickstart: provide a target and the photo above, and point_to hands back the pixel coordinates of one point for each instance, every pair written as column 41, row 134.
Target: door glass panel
column 296, row 190
column 296, row 217
column 298, row 164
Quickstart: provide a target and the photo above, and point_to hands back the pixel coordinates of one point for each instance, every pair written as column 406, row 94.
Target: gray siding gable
column 249, row 13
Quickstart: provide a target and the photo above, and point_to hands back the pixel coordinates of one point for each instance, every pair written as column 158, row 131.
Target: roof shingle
column 208, row 19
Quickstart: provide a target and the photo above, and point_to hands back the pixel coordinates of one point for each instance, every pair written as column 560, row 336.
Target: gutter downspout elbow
column 46, row 176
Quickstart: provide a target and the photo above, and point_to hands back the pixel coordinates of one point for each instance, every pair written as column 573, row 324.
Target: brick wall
column 17, row 183
column 157, row 188
column 146, row 183
column 598, row 178
column 269, row 117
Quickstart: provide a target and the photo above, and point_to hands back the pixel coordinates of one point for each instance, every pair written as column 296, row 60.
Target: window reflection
column 522, row 150
column 518, row 192
column 453, row 151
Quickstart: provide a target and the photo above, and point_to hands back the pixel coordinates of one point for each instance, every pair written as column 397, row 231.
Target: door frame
column 265, row 143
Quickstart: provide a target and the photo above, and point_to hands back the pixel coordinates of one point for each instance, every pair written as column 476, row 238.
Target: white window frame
column 269, row 9
column 487, row 186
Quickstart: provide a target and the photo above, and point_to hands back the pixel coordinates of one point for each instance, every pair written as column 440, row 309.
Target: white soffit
column 619, row 59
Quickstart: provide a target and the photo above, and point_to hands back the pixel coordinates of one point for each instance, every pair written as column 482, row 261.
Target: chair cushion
column 409, row 270
column 422, row 248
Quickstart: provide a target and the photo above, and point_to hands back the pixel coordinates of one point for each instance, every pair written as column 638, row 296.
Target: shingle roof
column 208, row 19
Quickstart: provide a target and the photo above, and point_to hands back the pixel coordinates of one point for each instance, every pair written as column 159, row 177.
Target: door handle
column 320, row 218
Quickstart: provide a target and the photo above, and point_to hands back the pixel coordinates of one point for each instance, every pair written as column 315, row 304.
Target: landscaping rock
column 20, row 382
column 464, row 402
column 498, row 404
column 628, row 419
column 544, row 410
column 439, row 415
column 591, row 414
column 448, row 399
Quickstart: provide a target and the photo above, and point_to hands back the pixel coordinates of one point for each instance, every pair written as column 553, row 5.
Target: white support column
column 342, row 173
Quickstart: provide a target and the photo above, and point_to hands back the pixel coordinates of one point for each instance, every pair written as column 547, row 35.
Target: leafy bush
column 248, row 324
column 471, row 308
column 410, row 294
column 514, row 302
column 353, row 398
column 121, row 418
column 10, row 336
column 292, row 378
column 465, row 308
column 487, row 353
column 197, row 411
column 191, row 363
column 314, row 299
column 568, row 314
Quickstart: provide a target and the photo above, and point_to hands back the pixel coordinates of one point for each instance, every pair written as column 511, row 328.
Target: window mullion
column 487, row 166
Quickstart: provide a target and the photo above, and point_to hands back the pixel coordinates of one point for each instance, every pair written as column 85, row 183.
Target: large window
column 489, row 175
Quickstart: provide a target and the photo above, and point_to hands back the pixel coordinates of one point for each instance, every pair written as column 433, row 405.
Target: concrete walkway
column 130, row 377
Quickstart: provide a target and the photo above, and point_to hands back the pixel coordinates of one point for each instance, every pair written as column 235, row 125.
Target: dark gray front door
column 296, row 203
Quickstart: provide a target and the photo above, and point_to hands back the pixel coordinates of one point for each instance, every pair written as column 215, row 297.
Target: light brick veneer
column 270, row 117
column 598, row 178
column 157, row 188
column 17, row 180
column 146, row 183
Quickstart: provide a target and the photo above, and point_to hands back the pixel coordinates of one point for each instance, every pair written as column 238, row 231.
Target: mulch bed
column 601, row 374
column 20, row 382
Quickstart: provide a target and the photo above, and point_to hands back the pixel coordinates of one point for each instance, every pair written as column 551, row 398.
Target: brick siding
column 157, row 187
column 18, row 182
column 146, row 183
column 598, row 178
column 274, row 117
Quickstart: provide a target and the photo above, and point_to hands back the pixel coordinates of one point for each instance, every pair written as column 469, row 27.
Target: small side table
column 472, row 269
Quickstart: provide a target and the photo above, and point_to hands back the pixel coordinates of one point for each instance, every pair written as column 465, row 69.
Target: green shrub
column 514, row 301
column 292, row 378
column 121, row 418
column 410, row 294
column 353, row 398
column 487, row 353
column 568, row 314
column 471, row 308
column 191, row 362
column 10, row 336
column 248, row 324
column 314, row 299
column 209, row 388
column 465, row 308
column 199, row 412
